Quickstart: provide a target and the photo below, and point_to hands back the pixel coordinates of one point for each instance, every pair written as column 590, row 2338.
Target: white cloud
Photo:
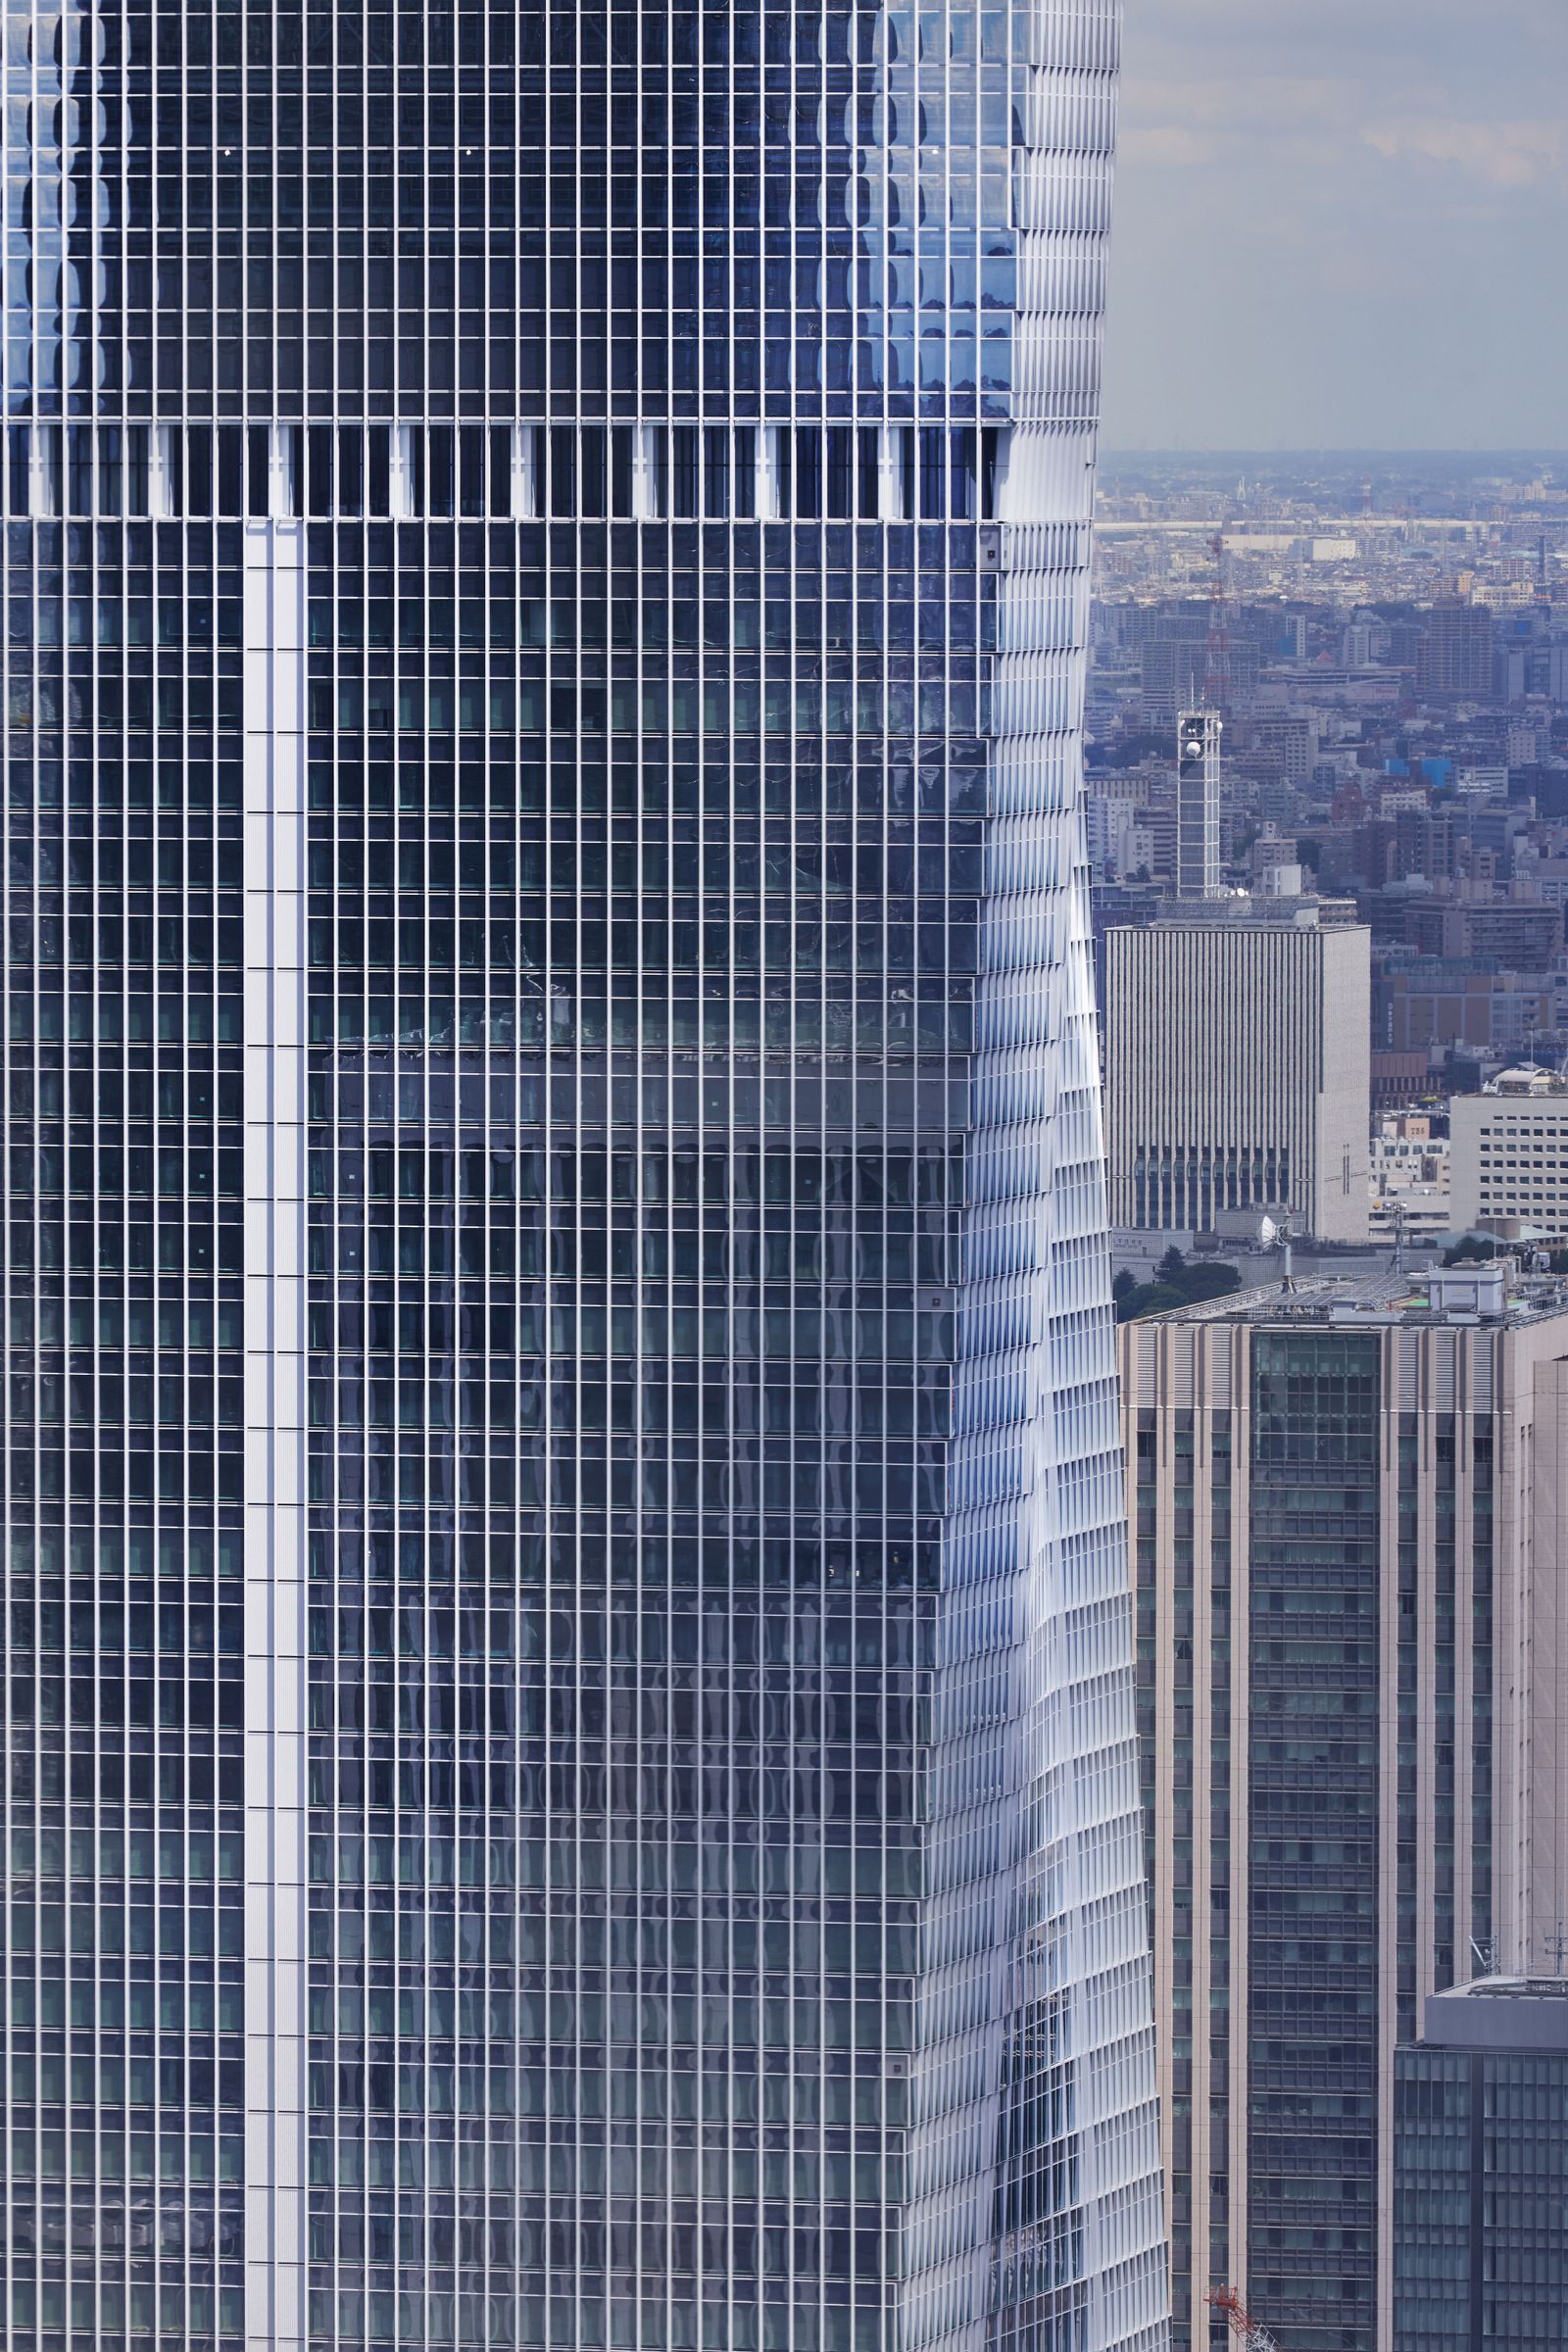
column 1170, row 146
column 1501, row 154
column 1351, row 186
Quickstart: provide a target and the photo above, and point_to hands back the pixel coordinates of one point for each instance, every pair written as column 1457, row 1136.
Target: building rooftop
column 1499, row 2013
column 1492, row 1293
column 1529, row 1083
column 1242, row 910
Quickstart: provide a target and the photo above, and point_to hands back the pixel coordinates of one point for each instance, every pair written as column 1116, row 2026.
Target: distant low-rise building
column 1482, row 783
column 1549, row 881
column 1434, row 1002
column 1411, row 1199
column 1509, row 1157
column 1277, row 873
column 1117, row 836
column 1399, row 1079
column 1293, row 739
column 1521, row 934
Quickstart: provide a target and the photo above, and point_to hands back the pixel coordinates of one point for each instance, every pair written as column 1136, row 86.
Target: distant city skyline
column 1332, row 236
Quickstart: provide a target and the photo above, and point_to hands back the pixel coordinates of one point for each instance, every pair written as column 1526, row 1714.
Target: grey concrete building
column 1238, row 1070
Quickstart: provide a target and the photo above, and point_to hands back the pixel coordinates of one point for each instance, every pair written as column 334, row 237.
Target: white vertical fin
column 274, row 1437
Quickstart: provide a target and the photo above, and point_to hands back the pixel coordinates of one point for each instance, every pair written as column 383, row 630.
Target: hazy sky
column 1341, row 224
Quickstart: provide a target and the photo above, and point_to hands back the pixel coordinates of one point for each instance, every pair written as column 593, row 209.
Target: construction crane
column 1217, row 660
column 1246, row 2329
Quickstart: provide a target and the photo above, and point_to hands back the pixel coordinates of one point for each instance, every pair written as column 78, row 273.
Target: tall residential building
column 570, row 1768
column 1351, row 1536
column 1480, row 2171
column 1455, row 655
column 1198, row 749
column 1237, row 1070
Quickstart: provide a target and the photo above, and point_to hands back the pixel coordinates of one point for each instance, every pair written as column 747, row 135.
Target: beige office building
column 1510, row 1157
column 1350, row 1512
column 1238, row 1072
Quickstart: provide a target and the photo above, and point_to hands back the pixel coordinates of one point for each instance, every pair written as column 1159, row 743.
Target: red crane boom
column 1247, row 2330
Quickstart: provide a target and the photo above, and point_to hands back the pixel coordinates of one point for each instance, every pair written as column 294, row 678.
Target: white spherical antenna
column 1268, row 1234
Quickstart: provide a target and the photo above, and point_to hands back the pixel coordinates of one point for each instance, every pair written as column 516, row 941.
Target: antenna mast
column 1198, row 744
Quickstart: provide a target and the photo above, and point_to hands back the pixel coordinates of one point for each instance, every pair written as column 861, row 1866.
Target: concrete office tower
column 1198, row 749
column 568, row 1756
column 1352, row 1525
column 1238, row 1071
column 1481, row 2169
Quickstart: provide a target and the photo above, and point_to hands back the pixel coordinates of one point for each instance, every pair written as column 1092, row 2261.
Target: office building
column 1426, row 1007
column 1198, row 749
column 1294, row 742
column 1517, row 935
column 1480, row 2171
column 1350, row 1531
column 1237, row 1070
column 1510, row 1147
column 514, row 1518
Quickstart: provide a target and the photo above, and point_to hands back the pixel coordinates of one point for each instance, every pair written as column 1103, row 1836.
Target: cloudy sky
column 1341, row 224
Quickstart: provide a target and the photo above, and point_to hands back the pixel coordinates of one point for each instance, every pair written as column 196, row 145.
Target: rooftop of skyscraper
column 1527, row 1081
column 1502, row 1291
column 1499, row 2013
column 1238, row 907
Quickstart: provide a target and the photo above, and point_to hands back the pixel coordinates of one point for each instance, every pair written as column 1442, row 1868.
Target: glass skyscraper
column 568, row 1761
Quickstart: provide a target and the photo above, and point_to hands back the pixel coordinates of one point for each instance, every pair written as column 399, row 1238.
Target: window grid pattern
column 123, row 1773
column 1479, row 2251
column 707, row 1376
column 1313, row 1755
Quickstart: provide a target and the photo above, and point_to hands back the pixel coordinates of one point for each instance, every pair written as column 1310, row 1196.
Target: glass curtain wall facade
column 1342, row 1770
column 1480, row 2233
column 1313, row 1812
column 568, row 1771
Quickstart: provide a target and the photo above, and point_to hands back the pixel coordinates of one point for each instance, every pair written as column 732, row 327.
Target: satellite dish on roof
column 1274, row 1233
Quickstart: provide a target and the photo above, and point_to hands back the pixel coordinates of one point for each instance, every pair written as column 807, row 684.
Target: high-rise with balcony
column 568, row 1756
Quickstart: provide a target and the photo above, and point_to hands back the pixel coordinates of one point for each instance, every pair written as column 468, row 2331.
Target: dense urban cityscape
column 1327, row 760
column 783, row 1222
column 1388, row 643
